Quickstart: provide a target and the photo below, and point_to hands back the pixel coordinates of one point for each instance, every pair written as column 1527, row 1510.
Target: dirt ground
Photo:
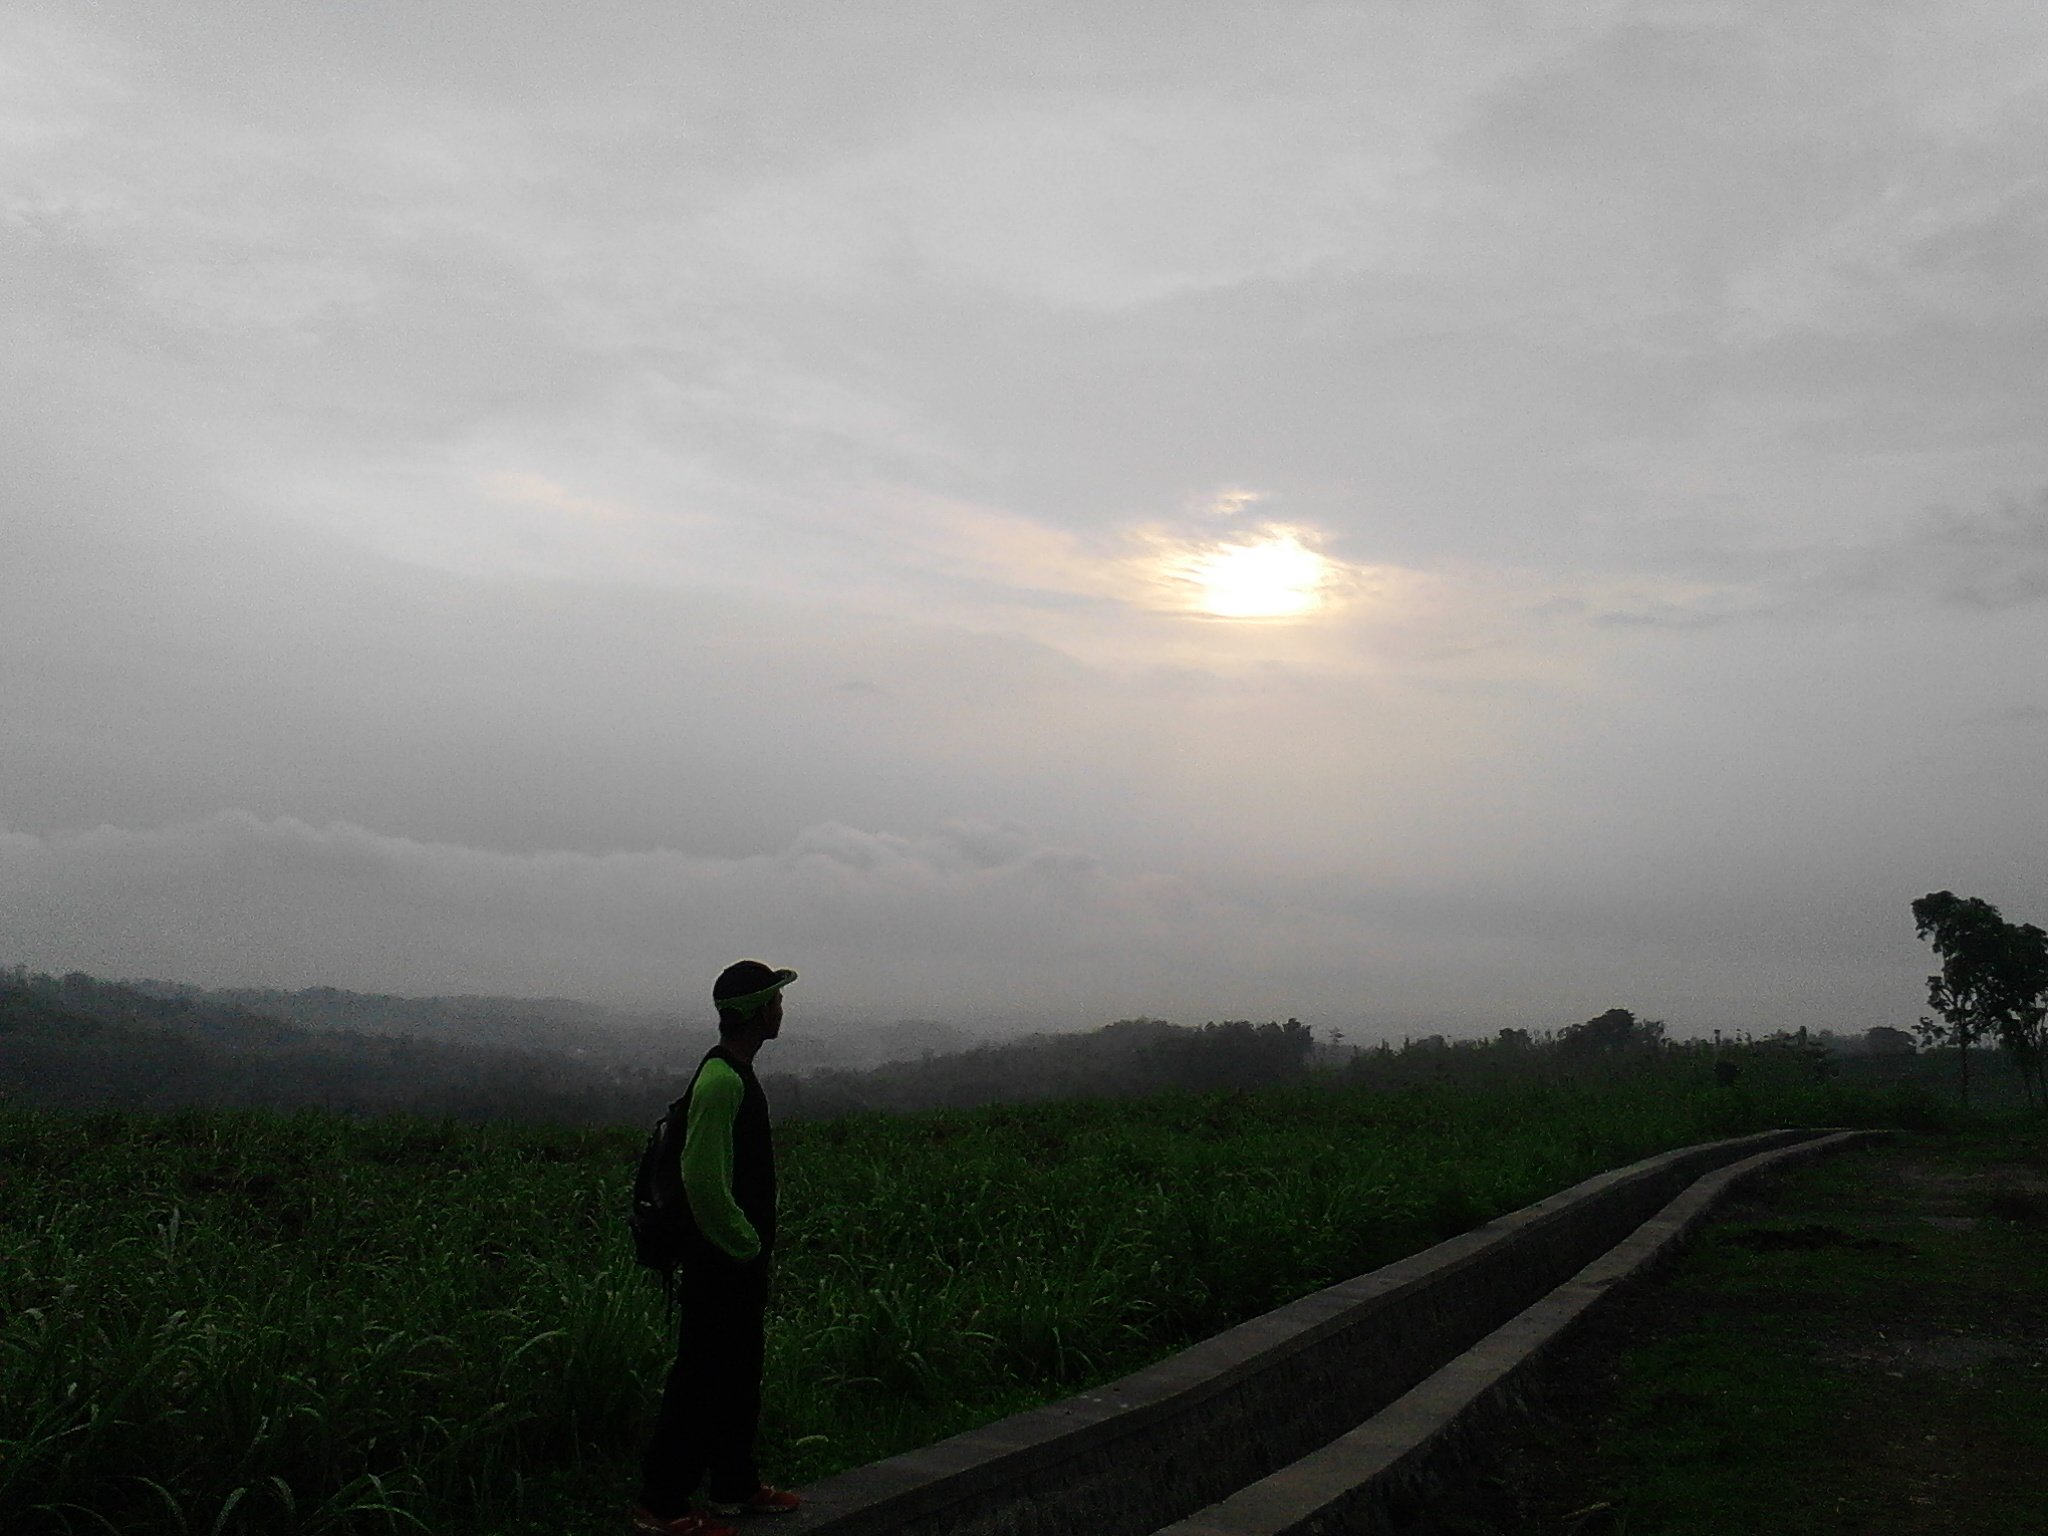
column 1857, row 1347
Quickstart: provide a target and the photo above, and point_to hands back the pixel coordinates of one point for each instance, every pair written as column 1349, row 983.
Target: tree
column 1883, row 1040
column 2024, row 1004
column 1609, row 1033
column 1993, row 978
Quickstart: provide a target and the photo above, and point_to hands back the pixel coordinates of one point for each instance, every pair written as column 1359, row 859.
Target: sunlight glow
column 1278, row 577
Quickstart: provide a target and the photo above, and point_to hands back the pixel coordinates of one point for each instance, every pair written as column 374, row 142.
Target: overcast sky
column 1408, row 515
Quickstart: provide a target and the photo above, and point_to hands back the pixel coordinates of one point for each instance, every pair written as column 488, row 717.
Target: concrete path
column 1361, row 1481
column 1317, row 1415
column 1851, row 1347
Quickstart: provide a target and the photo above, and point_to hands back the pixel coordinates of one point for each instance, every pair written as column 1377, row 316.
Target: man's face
column 771, row 1018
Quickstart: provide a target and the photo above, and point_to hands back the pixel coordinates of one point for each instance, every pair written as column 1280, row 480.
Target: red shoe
column 641, row 1522
column 766, row 1501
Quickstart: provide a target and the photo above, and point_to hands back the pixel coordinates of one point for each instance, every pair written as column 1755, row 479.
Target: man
column 711, row 1405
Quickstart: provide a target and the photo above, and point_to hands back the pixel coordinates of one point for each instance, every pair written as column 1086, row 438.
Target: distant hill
column 1129, row 1057
column 586, row 1031
column 81, row 1041
column 524, row 1023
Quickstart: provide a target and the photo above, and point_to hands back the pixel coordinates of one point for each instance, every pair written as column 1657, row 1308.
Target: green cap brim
column 754, row 1002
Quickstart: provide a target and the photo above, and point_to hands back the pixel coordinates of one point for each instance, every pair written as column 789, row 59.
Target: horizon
column 836, row 1027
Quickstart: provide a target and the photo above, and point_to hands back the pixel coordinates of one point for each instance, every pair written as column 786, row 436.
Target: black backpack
column 660, row 1218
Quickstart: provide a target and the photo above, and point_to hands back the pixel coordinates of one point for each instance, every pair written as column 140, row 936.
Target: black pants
column 711, row 1405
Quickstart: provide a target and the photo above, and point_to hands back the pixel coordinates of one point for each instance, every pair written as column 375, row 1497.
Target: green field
column 219, row 1322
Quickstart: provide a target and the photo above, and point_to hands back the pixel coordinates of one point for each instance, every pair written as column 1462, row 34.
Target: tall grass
column 219, row 1322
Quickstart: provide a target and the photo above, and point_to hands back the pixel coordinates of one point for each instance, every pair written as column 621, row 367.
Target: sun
column 1278, row 577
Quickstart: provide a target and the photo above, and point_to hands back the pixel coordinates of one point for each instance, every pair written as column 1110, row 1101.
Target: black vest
column 753, row 1161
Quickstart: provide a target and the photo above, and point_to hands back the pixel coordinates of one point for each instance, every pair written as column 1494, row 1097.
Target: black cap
column 748, row 984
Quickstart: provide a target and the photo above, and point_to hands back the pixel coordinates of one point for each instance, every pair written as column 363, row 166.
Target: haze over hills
column 86, row 1043
column 592, row 1032
column 819, row 1038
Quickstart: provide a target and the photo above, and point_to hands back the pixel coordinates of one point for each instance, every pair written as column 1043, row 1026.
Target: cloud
column 1229, row 501
column 1708, row 611
column 1959, row 241
column 1996, row 558
column 539, row 491
column 1080, row 201
column 1985, row 559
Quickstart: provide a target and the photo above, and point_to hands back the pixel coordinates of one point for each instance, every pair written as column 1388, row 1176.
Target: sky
column 1407, row 516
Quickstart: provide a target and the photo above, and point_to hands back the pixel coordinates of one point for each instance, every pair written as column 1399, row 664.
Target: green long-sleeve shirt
column 707, row 1161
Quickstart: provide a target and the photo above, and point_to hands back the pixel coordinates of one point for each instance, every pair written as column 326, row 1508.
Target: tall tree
column 2023, row 1005
column 1984, row 967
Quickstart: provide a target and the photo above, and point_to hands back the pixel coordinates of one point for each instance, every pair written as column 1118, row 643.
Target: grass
column 1858, row 1348
column 235, row 1322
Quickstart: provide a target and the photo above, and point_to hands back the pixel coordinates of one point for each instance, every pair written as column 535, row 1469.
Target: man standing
column 711, row 1405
